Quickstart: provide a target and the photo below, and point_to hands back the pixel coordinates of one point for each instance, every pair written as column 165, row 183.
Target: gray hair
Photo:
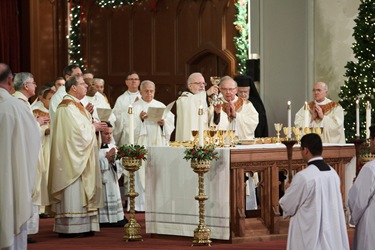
column 99, row 80
column 193, row 76
column 20, row 79
column 225, row 78
column 146, row 82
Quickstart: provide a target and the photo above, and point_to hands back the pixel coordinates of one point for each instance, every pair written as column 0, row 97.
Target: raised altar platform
column 171, row 186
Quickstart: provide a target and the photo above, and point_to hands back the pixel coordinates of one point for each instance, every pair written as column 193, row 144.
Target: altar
column 171, row 186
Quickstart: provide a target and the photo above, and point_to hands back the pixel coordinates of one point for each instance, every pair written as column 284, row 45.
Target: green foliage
column 206, row 152
column 114, row 3
column 132, row 151
column 75, row 34
column 360, row 73
column 241, row 40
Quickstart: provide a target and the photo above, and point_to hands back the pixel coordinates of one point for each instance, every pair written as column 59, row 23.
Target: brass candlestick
column 202, row 234
column 132, row 228
column 289, row 147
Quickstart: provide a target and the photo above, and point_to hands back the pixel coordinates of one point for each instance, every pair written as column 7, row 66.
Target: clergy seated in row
column 323, row 113
column 120, row 109
column 149, row 132
column 75, row 183
column 235, row 113
column 187, row 106
column 112, row 213
column 25, row 86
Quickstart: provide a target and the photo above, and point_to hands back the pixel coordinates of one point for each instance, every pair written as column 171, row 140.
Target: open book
column 104, row 114
column 156, row 114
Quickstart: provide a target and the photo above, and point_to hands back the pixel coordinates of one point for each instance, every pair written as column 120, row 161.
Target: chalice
column 318, row 130
column 221, row 136
column 285, row 131
column 211, row 134
column 195, row 135
column 231, row 134
column 278, row 127
column 297, row 132
column 307, row 130
column 214, row 99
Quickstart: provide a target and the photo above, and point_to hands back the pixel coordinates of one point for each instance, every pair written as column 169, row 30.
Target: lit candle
column 368, row 119
column 357, row 117
column 200, row 132
column 131, row 124
column 289, row 119
column 307, row 116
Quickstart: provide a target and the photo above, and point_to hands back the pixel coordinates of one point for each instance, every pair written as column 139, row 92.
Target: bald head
column 6, row 78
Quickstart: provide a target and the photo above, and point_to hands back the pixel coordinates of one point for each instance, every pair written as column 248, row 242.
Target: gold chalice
column 211, row 134
column 307, row 130
column 285, row 131
column 297, row 132
column 231, row 134
column 278, row 127
column 195, row 136
column 318, row 130
column 221, row 136
column 215, row 80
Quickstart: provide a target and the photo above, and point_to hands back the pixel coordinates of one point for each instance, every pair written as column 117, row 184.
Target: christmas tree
column 360, row 82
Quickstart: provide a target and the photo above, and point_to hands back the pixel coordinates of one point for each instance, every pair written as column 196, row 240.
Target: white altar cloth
column 171, row 186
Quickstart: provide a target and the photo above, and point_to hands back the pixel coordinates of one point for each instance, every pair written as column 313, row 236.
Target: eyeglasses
column 199, row 83
column 133, row 79
column 227, row 89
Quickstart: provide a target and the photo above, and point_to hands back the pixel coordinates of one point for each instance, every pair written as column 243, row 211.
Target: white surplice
column 313, row 203
column 332, row 122
column 75, row 179
column 187, row 106
column 149, row 133
column 112, row 211
column 120, row 131
column 19, row 155
column 362, row 206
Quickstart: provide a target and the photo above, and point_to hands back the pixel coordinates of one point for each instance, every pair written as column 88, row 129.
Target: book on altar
column 155, row 114
column 104, row 114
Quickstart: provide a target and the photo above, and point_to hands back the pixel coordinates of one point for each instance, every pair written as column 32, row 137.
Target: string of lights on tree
column 241, row 40
column 76, row 14
column 360, row 82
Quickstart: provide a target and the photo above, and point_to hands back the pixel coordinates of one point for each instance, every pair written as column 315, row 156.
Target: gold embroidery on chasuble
column 38, row 112
column 237, row 106
column 79, row 105
column 326, row 108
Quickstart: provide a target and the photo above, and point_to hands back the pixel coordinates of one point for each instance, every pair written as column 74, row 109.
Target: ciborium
column 278, row 127
column 132, row 228
column 215, row 80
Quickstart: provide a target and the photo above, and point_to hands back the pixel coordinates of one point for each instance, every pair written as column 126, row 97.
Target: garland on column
column 76, row 12
column 114, row 3
column 241, row 40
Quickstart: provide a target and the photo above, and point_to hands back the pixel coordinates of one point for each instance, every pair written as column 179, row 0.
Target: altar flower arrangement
column 365, row 152
column 131, row 151
column 199, row 153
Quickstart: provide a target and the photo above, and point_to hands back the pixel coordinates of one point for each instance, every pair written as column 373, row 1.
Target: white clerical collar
column 234, row 100
column 132, row 93
column 315, row 158
column 326, row 100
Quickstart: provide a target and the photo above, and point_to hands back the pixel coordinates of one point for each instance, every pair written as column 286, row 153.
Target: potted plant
column 201, row 157
column 131, row 155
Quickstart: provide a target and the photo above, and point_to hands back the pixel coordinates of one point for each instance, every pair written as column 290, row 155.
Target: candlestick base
column 289, row 147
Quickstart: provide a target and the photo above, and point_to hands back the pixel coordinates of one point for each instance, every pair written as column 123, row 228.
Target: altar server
column 314, row 204
column 361, row 203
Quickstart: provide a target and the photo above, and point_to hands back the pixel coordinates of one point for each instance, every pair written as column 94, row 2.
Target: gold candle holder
column 132, row 228
column 202, row 234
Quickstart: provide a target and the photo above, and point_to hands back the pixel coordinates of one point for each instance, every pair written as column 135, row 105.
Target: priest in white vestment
column 121, row 108
column 18, row 170
column 235, row 113
column 314, row 204
column 361, row 203
column 112, row 213
column 323, row 113
column 75, row 181
column 149, row 133
column 70, row 70
column 188, row 104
